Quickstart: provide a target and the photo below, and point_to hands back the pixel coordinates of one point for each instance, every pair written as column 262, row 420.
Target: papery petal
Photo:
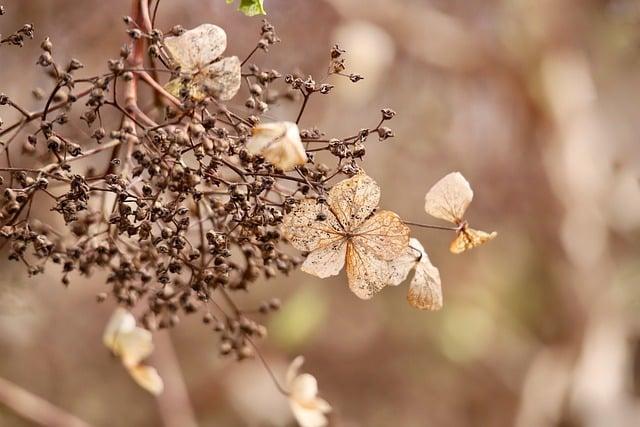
column 400, row 267
column 304, row 388
column 308, row 416
column 279, row 143
column 220, row 80
column 305, row 232
column 148, row 378
column 354, row 199
column 121, row 322
column 326, row 261
column 197, row 47
column 384, row 235
column 449, row 198
column 425, row 290
column 468, row 238
column 134, row 346
column 367, row 274
column 293, row 370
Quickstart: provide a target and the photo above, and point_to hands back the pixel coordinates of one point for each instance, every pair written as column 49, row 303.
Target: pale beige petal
column 449, row 198
column 353, row 200
column 134, row 346
column 367, row 274
column 305, row 232
column 148, row 378
column 326, row 261
column 197, row 47
column 308, row 416
column 400, row 267
column 220, row 80
column 293, row 370
column 384, row 235
column 279, row 143
column 468, row 238
column 425, row 290
column 121, row 322
column 304, row 388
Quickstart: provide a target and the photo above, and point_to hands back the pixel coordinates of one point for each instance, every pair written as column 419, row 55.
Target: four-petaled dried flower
column 203, row 71
column 448, row 199
column 309, row 409
column 346, row 228
column 279, row 143
column 132, row 345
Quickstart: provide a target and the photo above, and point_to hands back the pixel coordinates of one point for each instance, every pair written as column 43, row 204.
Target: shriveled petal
column 400, row 267
column 384, row 235
column 449, row 198
column 468, row 238
column 304, row 388
column 326, row 261
column 305, row 232
column 367, row 274
column 148, row 378
column 293, row 370
column 308, row 416
column 134, row 346
column 197, row 47
column 221, row 80
column 121, row 322
column 425, row 291
column 352, row 200
column 279, row 143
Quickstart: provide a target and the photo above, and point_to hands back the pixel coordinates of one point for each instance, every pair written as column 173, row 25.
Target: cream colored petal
column 400, row 267
column 293, row 370
column 121, row 322
column 134, row 346
column 449, row 198
column 197, row 47
column 148, row 378
column 308, row 416
column 367, row 274
column 469, row 238
column 322, row 405
column 425, row 291
column 305, row 232
column 353, row 200
column 384, row 235
column 220, row 80
column 326, row 261
column 304, row 388
column 279, row 143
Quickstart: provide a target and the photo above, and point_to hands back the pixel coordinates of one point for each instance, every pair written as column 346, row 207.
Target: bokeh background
column 534, row 101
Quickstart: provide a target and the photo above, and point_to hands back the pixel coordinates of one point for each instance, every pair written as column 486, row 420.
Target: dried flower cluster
column 195, row 201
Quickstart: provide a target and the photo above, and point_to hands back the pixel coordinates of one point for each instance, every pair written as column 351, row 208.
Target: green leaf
column 250, row 7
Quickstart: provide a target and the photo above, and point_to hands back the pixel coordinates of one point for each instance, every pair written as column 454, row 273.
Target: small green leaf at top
column 250, row 7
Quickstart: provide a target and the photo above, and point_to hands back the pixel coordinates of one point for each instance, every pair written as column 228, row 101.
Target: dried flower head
column 347, row 229
column 448, row 199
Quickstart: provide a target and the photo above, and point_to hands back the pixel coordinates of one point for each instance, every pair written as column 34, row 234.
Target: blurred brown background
column 534, row 101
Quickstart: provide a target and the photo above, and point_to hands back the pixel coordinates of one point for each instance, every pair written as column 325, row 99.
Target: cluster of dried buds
column 194, row 201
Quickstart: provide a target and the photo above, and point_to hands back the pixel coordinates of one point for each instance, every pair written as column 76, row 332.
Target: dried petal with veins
column 425, row 290
column 198, row 47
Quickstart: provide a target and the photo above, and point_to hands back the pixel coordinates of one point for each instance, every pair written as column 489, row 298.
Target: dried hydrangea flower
column 309, row 409
column 448, row 199
column 132, row 345
column 279, row 143
column 203, row 71
column 345, row 230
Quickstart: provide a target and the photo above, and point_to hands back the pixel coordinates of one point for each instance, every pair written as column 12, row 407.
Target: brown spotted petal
column 197, row 47
column 353, row 200
column 384, row 235
column 305, row 232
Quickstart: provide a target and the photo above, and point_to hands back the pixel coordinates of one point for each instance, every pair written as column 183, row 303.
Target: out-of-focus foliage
column 251, row 7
